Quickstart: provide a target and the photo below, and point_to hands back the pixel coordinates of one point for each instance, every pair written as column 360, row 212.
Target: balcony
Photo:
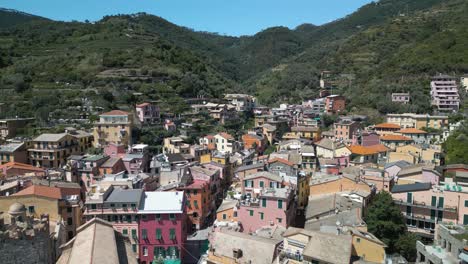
column 452, row 209
column 419, row 218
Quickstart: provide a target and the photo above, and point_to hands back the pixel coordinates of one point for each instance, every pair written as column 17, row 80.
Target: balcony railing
column 452, row 209
column 419, row 218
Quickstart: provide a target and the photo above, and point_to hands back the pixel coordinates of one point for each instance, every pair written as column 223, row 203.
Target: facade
column 444, row 93
column 335, row 184
column 394, row 141
column 147, row 113
column 418, row 121
column 162, row 226
column 449, row 246
column 113, row 127
column 52, row 150
column 10, row 127
column 306, row 132
column 344, row 131
column 401, row 98
column 417, row 135
column 13, row 152
column 261, row 180
column 335, row 103
column 253, row 141
column 424, row 205
column 117, row 206
column 386, row 129
column 175, row 145
column 267, row 207
column 242, row 102
column 226, row 143
column 59, row 204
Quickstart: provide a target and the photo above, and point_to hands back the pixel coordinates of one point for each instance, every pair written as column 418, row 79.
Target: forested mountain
column 385, row 46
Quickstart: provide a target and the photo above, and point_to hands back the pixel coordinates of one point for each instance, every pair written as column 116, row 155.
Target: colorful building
column 335, row 103
column 147, row 113
column 444, row 93
column 52, row 150
column 113, row 127
column 13, row 152
column 419, row 121
column 335, row 184
column 344, row 131
column 162, row 227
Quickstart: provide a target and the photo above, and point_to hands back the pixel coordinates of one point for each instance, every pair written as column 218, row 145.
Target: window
column 358, row 240
column 144, row 217
column 129, row 218
column 433, row 201
column 31, row 209
column 69, row 209
column 173, row 251
column 195, row 192
column 144, row 234
column 409, row 197
column 112, row 205
column 466, row 203
column 93, row 206
column 69, row 221
column 262, row 184
column 235, row 214
column 159, row 252
column 272, row 185
column 172, row 217
column 125, row 232
column 145, row 251
column 195, row 204
column 433, row 214
column 465, row 219
column 264, row 202
column 261, row 216
column 134, row 248
column 172, row 234
column 124, row 206
column 224, row 216
column 158, row 217
column 441, row 202
column 280, row 204
column 279, row 220
column 251, row 212
column 158, row 234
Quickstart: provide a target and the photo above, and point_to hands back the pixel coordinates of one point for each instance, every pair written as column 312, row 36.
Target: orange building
column 200, row 208
column 335, row 103
column 253, row 141
column 334, row 184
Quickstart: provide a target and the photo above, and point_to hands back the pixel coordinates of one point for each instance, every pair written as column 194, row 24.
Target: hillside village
column 232, row 181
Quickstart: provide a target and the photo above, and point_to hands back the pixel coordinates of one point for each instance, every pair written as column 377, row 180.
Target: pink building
column 147, row 113
column 261, row 180
column 114, row 150
column 87, row 168
column 344, row 131
column 424, row 205
column 270, row 207
column 162, row 226
column 118, row 206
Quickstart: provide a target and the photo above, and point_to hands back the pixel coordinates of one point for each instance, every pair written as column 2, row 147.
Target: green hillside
column 391, row 45
column 10, row 18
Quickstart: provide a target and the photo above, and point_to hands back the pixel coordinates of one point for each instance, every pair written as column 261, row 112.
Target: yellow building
column 206, row 158
column 306, row 132
column 113, row 127
column 227, row 211
column 56, row 202
column 424, row 155
column 366, row 246
column 410, row 120
column 303, row 191
column 396, row 156
column 334, row 184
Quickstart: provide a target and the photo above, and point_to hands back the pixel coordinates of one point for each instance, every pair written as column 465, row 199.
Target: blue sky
column 230, row 17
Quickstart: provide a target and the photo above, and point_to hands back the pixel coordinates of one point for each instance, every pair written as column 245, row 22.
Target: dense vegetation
column 48, row 67
column 456, row 146
column 385, row 221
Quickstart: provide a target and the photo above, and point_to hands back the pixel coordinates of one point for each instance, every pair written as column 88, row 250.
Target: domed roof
column 16, row 208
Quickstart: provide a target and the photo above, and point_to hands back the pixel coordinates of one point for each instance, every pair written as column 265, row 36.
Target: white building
column 444, row 93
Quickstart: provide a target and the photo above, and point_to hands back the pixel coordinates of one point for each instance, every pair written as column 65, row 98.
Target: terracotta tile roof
column 395, row 138
column 287, row 162
column 379, row 148
column 39, row 190
column 142, row 105
column 361, row 150
column 411, row 131
column 225, row 135
column 387, row 125
column 115, row 113
column 18, row 165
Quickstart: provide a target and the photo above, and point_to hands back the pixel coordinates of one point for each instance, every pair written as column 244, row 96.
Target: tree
column 406, row 246
column 456, row 146
column 385, row 221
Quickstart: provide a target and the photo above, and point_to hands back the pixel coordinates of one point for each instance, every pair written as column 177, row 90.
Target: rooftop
column 264, row 174
column 162, row 202
column 395, row 138
column 415, row 187
column 50, row 137
column 125, row 196
column 411, row 131
column 387, row 126
column 39, row 190
column 10, row 148
column 329, row 248
column 115, row 113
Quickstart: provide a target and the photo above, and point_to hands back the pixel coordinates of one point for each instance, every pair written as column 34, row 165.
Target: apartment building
column 52, row 150
column 403, row 98
column 242, row 102
column 148, row 113
column 162, row 227
column 335, row 103
column 344, row 131
column 418, row 121
column 444, row 93
column 113, row 127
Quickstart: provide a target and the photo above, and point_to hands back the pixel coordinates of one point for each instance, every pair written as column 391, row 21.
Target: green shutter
column 264, row 202
column 440, row 215
column 251, row 212
column 433, row 201
column 262, row 184
column 224, row 216
column 280, row 204
column 441, row 202
column 159, row 252
column 409, row 197
column 465, row 219
column 172, row 234
column 134, row 233
column 144, row 234
column 408, row 210
column 433, row 214
column 134, row 248
column 158, row 234
column 125, row 231
column 466, row 203
column 261, row 216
